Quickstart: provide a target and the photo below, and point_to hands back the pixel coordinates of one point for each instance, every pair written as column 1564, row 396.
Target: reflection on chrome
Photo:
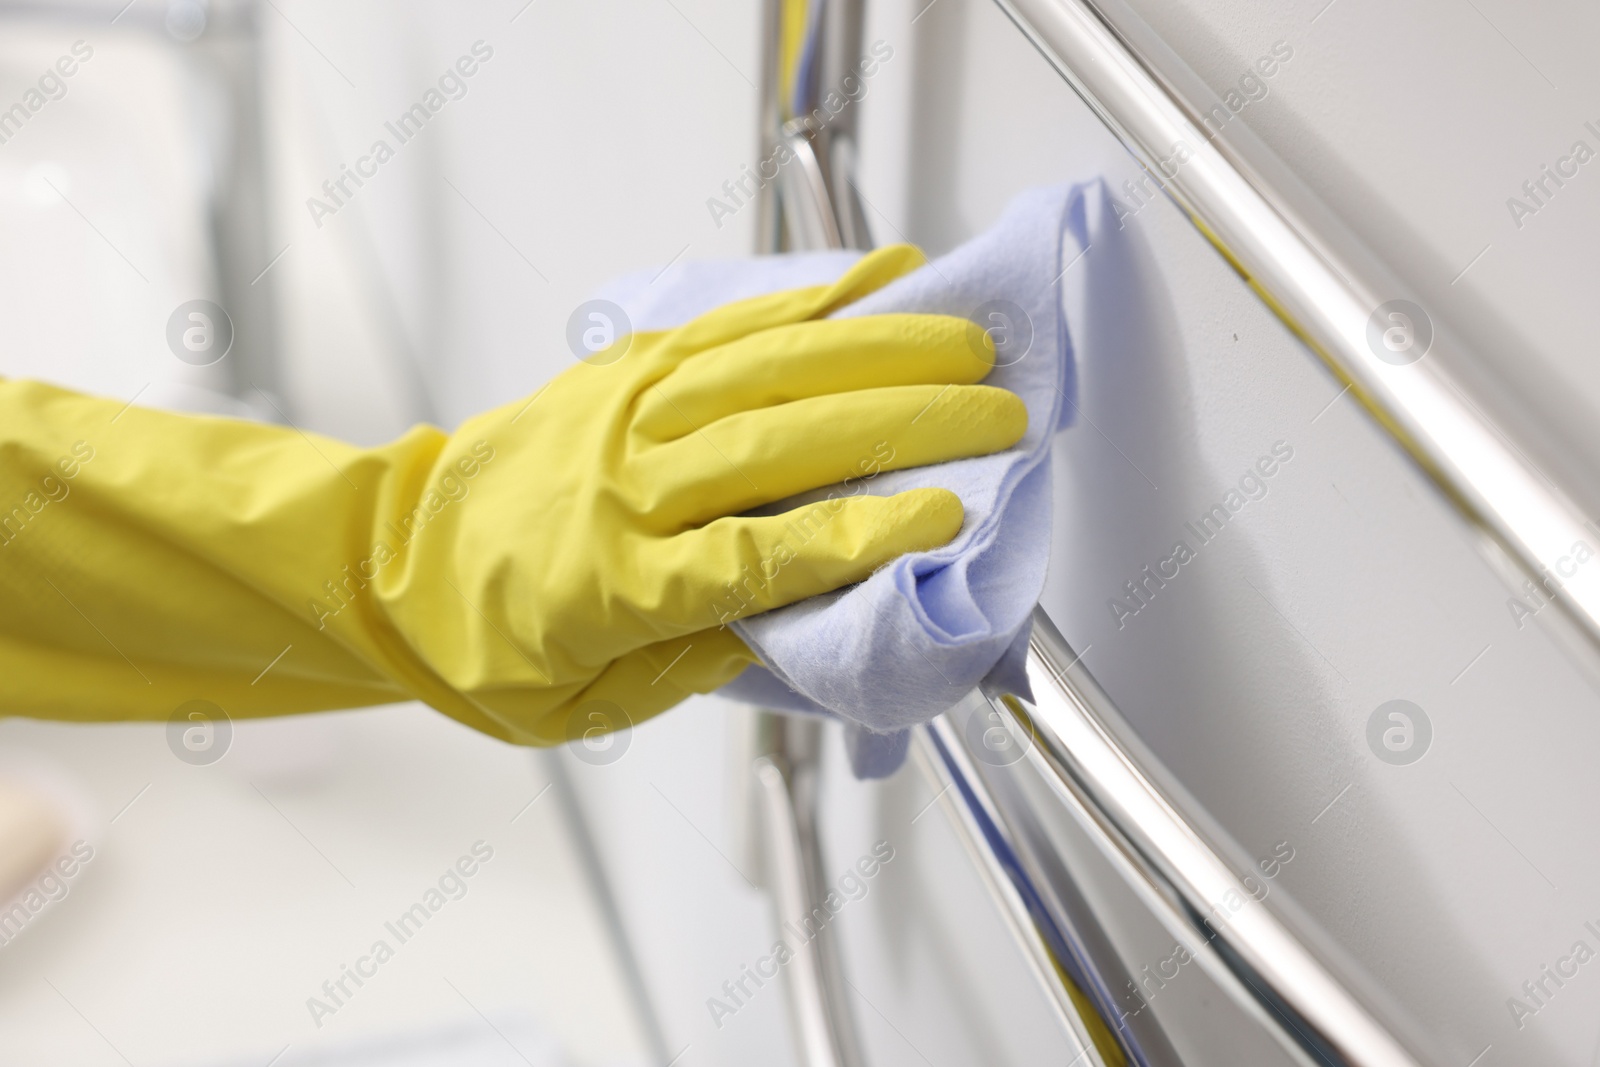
column 1119, row 797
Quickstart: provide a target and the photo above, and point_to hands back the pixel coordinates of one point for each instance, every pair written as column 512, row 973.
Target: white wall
column 584, row 149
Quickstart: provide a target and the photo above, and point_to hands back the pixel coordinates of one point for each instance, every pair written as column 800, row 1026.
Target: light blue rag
column 909, row 642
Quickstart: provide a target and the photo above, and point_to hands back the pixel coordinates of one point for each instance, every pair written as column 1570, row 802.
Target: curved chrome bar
column 1034, row 925
column 1087, row 752
column 824, row 1028
column 1322, row 283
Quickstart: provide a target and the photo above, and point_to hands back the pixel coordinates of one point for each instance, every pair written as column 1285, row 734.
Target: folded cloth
column 909, row 642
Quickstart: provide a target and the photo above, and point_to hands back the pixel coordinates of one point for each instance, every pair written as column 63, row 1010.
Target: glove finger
column 807, row 359
column 737, row 567
column 758, row 457
column 869, row 274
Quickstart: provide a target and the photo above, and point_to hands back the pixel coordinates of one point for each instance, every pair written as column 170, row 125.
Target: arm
column 587, row 543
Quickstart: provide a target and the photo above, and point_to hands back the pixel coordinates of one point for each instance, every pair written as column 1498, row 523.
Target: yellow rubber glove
column 585, row 543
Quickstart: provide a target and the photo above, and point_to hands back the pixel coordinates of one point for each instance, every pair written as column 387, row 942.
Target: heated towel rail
column 1332, row 293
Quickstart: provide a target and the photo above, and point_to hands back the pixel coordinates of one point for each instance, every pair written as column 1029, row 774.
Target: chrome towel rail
column 1036, row 927
column 1326, row 286
column 1081, row 745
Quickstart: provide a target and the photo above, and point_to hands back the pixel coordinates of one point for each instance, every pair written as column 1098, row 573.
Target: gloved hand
column 587, row 543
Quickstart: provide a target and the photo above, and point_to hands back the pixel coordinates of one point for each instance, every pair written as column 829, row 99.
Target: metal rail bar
column 824, row 1028
column 1326, row 286
column 1085, row 749
column 1035, row 929
column 799, row 212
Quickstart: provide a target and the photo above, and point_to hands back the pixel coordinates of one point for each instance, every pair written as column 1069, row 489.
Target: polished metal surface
column 1286, row 982
column 806, row 197
column 1180, row 872
column 980, row 825
column 1331, row 291
column 816, row 144
column 824, row 1027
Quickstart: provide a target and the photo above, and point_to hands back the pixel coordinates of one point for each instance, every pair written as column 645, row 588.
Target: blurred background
column 175, row 163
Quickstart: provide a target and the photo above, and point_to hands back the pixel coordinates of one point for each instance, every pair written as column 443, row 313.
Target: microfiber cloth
column 909, row 642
